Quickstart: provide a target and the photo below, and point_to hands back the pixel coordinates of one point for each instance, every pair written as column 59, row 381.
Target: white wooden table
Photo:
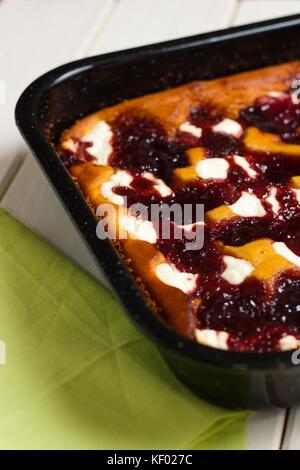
column 37, row 35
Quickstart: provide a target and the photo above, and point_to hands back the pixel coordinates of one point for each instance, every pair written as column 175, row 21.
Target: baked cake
column 232, row 145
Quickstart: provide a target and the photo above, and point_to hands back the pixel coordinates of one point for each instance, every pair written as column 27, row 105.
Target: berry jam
column 210, row 194
column 142, row 191
column 141, row 144
column 255, row 315
column 291, row 237
column 276, row 168
column 255, row 318
column 276, row 114
column 207, row 260
column 215, row 143
column 239, row 231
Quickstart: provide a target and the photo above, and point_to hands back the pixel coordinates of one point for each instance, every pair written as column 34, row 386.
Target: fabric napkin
column 78, row 375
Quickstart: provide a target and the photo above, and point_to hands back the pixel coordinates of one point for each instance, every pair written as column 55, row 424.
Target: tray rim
column 84, row 220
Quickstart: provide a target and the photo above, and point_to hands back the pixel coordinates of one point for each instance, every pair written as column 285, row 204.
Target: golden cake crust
column 226, row 96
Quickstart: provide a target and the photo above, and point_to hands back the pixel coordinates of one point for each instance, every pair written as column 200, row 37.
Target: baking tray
column 55, row 100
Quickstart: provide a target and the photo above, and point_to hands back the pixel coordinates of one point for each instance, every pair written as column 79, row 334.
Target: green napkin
column 78, row 375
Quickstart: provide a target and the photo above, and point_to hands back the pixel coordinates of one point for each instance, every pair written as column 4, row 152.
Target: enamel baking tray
column 58, row 98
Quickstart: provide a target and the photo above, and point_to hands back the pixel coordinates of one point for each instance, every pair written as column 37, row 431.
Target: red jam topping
column 142, row 191
column 141, row 144
column 275, row 114
column 216, row 143
column 255, row 315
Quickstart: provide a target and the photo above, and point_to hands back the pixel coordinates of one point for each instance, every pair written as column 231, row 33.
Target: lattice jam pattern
column 233, row 145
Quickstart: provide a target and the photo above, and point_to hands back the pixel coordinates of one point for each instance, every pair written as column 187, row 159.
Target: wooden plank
column 135, row 22
column 251, row 11
column 35, row 36
column 8, row 169
column 265, row 428
column 292, row 436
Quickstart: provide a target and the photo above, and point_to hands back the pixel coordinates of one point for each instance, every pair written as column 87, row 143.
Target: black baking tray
column 58, row 98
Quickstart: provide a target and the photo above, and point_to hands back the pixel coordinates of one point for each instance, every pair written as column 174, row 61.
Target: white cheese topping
column 248, row 205
column 71, row 145
column 297, row 194
column 271, row 199
column 243, row 163
column 138, row 228
column 212, row 168
column 191, row 129
column 288, row 342
column 100, row 136
column 276, row 94
column 236, row 270
column 159, row 185
column 212, row 338
column 190, row 227
column 120, row 178
column 170, row 275
column 288, row 254
column 229, row 126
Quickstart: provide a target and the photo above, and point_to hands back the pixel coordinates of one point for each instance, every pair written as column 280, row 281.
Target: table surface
column 36, row 36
